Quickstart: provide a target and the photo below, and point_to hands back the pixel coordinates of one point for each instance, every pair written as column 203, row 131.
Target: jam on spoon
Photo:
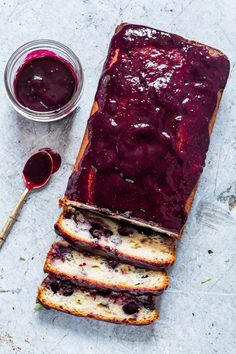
column 36, row 174
column 38, row 170
column 56, row 158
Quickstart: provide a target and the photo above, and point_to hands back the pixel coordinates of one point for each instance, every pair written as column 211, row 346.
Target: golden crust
column 91, row 283
column 95, row 107
column 210, row 127
column 47, row 304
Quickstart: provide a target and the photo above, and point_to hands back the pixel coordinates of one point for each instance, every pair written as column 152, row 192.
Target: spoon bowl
column 38, row 170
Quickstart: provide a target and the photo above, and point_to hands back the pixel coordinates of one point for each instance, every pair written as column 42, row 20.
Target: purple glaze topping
column 149, row 138
column 45, row 82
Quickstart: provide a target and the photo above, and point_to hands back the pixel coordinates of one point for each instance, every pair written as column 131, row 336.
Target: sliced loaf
column 88, row 270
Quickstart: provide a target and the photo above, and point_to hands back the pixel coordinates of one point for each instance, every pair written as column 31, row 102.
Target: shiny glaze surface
column 149, row 138
column 45, row 82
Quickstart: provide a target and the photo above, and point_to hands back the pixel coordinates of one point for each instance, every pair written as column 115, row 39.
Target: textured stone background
column 195, row 317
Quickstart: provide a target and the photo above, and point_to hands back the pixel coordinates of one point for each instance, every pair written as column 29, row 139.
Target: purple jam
column 67, row 289
column 64, row 287
column 103, row 292
column 45, row 82
column 99, row 229
column 54, row 285
column 38, row 170
column 40, row 166
column 112, row 263
column 148, row 139
column 56, row 158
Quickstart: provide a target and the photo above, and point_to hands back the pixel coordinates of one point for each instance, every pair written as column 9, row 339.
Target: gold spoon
column 36, row 174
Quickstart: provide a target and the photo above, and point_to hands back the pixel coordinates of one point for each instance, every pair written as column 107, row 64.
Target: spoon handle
column 12, row 218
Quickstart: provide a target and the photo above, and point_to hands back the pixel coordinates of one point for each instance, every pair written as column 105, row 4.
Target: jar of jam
column 44, row 80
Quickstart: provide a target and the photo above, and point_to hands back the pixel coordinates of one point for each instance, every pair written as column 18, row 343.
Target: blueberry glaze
column 149, row 137
column 56, row 158
column 37, row 169
column 45, row 82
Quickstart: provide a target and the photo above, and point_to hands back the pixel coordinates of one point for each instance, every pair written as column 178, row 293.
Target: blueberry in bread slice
column 85, row 269
column 106, row 305
column 114, row 239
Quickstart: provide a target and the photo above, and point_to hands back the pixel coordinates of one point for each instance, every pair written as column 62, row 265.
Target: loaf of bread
column 85, row 269
column 121, row 308
column 135, row 176
column 122, row 242
column 147, row 137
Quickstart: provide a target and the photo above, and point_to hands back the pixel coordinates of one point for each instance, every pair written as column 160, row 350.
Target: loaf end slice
column 120, row 308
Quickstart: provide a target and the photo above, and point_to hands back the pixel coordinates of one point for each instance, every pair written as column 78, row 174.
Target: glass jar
column 17, row 60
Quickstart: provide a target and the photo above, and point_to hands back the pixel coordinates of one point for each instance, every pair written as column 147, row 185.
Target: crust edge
column 50, row 305
column 80, row 243
column 90, row 283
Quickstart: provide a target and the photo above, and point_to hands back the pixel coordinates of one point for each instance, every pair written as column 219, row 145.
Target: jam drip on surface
column 149, row 138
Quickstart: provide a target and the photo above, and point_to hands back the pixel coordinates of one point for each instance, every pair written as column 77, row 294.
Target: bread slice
column 121, row 308
column 85, row 177
column 123, row 242
column 88, row 270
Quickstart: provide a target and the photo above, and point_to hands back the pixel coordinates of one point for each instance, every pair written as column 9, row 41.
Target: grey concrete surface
column 198, row 312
